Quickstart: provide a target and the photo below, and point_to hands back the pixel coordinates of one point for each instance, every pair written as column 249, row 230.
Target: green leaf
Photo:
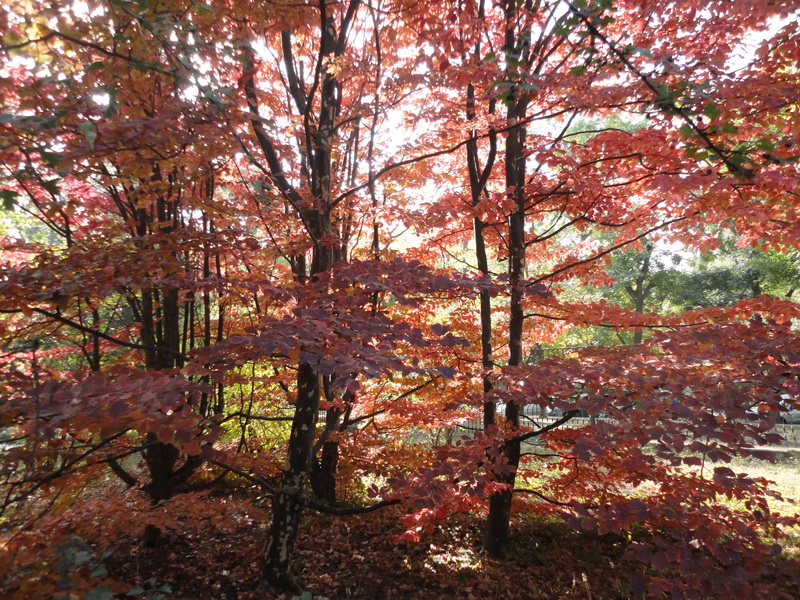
column 112, row 102
column 89, row 132
column 730, row 128
column 203, row 8
column 100, row 571
column 686, row 130
column 577, row 71
column 9, row 199
column 51, row 186
column 737, row 159
column 764, row 144
column 602, row 21
column 135, row 591
column 51, row 159
column 711, row 111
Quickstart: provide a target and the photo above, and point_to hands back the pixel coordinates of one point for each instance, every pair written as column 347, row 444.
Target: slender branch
column 414, row 390
column 307, row 502
column 28, row 42
column 291, row 73
column 64, row 320
column 366, row 417
column 530, row 434
column 126, row 477
column 252, row 417
column 662, row 102
column 550, row 500
column 626, row 326
column 346, row 510
column 257, row 479
column 436, row 153
column 609, row 250
column 64, row 469
column 327, row 432
column 267, row 147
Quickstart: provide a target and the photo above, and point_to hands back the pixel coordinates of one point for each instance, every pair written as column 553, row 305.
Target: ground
column 212, row 540
column 357, row 558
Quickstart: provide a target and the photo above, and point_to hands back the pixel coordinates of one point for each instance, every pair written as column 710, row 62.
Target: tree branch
column 251, row 417
column 530, row 434
column 63, row 470
column 346, row 510
column 56, row 316
column 662, row 102
column 126, row 477
column 549, row 500
column 609, row 250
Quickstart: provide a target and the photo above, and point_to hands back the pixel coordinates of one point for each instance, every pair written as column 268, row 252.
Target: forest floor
column 359, row 558
column 213, row 539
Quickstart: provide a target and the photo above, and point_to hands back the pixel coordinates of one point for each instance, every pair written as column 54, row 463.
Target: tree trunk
column 326, row 450
column 478, row 178
column 276, row 569
column 160, row 459
column 323, row 477
column 497, row 533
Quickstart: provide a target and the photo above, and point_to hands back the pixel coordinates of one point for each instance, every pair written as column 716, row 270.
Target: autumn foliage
column 309, row 251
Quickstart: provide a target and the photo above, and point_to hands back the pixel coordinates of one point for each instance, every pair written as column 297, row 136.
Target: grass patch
column 784, row 474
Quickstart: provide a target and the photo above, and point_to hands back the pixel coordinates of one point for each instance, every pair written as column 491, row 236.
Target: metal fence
column 532, row 417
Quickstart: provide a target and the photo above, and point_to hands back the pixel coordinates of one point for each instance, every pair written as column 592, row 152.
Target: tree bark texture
column 497, row 533
column 276, row 570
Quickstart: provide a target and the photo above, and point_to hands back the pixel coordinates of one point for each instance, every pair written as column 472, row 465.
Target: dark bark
column 326, row 450
column 497, row 533
column 160, row 459
column 641, row 288
column 323, row 476
column 163, row 315
column 478, row 178
column 276, row 569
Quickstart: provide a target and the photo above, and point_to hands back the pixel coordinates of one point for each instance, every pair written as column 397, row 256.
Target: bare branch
column 346, row 510
column 664, row 103
column 549, row 500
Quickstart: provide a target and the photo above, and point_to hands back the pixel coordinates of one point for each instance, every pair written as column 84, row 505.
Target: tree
column 657, row 280
column 731, row 274
column 617, row 181
column 111, row 173
column 227, row 182
column 147, row 127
